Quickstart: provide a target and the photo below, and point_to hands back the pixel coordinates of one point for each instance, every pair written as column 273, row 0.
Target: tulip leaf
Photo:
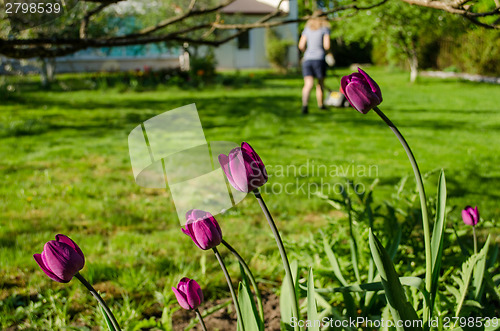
column 400, row 308
column 479, row 270
column 285, row 296
column 248, row 297
column 415, row 282
column 438, row 237
column 471, row 269
column 334, row 262
column 107, row 319
column 312, row 310
column 248, row 311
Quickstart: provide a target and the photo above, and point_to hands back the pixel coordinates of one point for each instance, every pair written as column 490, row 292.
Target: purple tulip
column 203, row 228
column 470, row 215
column 188, row 294
column 362, row 92
column 61, row 259
column 244, row 168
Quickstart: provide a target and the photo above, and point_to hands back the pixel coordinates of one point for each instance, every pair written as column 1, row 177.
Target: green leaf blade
column 312, row 309
column 400, row 308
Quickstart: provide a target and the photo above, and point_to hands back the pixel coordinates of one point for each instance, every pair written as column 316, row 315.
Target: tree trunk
column 48, row 70
column 413, row 67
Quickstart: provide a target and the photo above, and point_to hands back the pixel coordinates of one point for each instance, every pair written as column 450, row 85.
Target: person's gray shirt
column 314, row 42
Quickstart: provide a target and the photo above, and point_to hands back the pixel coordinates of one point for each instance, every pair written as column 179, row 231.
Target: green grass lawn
column 65, row 169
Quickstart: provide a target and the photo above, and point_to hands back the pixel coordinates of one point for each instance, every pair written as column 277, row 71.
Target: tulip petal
column 198, row 214
column 466, row 217
column 203, row 231
column 181, row 298
column 183, row 284
column 470, row 215
column 190, row 232
column 224, row 162
column 246, row 146
column 238, row 170
column 476, row 214
column 62, row 260
column 373, row 85
column 39, row 260
column 65, row 239
column 192, row 295
column 217, row 227
column 361, row 97
column 186, row 232
column 344, row 81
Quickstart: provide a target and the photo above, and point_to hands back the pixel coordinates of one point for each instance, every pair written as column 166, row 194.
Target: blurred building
column 246, row 51
column 249, row 49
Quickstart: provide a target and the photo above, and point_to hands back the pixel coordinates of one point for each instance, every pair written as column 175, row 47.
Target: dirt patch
column 225, row 319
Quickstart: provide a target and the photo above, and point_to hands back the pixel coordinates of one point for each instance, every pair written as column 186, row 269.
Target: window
column 244, row 40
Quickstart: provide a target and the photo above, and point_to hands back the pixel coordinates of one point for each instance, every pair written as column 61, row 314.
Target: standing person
column 314, row 42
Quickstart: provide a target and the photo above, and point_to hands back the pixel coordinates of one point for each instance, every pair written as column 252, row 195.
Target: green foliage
column 286, row 297
column 485, row 56
column 398, row 32
column 277, row 50
column 251, row 318
column 202, row 67
column 401, row 309
column 109, row 324
column 437, row 239
column 312, row 311
column 464, row 277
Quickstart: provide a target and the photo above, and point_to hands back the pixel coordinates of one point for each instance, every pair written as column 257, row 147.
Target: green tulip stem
column 230, row 284
column 203, row 326
column 423, row 205
column 281, row 249
column 250, row 276
column 99, row 299
column 475, row 239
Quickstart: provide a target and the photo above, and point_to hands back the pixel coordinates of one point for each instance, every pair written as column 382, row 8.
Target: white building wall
column 230, row 57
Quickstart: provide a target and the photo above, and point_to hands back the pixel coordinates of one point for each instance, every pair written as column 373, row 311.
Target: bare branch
column 183, row 32
column 85, row 21
column 460, row 8
column 191, row 5
column 265, row 24
column 178, row 18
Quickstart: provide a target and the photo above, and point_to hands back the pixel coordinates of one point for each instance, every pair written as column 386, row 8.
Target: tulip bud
column 61, row 259
column 203, row 228
column 188, row 294
column 361, row 91
column 243, row 168
column 470, row 215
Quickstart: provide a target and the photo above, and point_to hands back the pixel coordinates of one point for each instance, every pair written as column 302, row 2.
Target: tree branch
column 85, row 21
column 176, row 19
column 60, row 46
column 460, row 8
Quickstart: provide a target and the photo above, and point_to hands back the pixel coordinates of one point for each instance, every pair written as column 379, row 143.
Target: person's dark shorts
column 315, row 68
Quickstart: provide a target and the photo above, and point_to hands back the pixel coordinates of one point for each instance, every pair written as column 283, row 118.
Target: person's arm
column 302, row 43
column 326, row 41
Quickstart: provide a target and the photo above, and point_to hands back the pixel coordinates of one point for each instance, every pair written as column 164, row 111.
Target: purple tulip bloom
column 362, row 92
column 188, row 294
column 470, row 215
column 61, row 259
column 244, row 168
column 203, row 228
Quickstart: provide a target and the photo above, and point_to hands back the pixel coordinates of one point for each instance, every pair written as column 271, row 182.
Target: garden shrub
column 478, row 52
column 202, row 67
column 277, row 50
